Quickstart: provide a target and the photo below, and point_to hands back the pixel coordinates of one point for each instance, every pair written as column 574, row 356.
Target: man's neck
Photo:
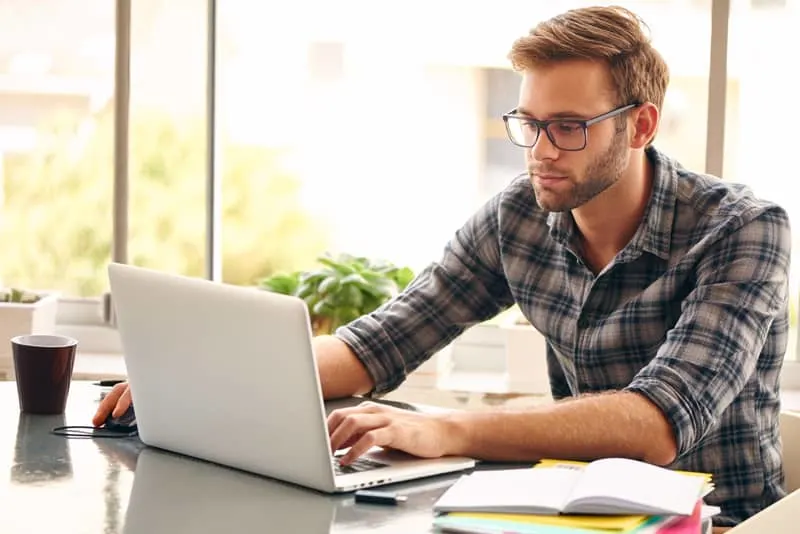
column 608, row 222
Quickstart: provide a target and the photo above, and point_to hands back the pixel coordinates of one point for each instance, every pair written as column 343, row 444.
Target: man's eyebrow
column 559, row 115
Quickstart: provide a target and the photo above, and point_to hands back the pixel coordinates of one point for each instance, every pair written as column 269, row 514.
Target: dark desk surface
column 52, row 484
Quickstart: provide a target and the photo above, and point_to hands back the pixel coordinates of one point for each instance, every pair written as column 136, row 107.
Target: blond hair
column 614, row 35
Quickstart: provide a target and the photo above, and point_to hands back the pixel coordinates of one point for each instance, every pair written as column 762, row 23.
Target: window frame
column 90, row 319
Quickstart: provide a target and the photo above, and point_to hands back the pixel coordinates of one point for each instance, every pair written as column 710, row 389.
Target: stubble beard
column 601, row 173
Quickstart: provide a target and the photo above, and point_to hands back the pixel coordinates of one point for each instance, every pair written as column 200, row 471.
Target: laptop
column 227, row 374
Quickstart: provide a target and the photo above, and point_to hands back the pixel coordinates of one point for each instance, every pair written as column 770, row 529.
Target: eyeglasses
column 565, row 134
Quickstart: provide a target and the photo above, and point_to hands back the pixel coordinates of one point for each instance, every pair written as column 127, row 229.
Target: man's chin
column 553, row 208
column 550, row 202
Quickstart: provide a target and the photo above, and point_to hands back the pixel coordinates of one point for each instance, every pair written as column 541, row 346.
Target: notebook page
column 510, row 490
column 618, row 485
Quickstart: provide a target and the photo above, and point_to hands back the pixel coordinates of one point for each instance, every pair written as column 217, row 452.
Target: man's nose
column 543, row 148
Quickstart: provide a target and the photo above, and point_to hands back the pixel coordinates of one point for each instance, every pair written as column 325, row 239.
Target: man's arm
column 341, row 373
column 466, row 286
column 709, row 355
column 620, row 424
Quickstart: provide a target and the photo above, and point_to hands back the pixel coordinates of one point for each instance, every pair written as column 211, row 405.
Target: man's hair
column 613, row 35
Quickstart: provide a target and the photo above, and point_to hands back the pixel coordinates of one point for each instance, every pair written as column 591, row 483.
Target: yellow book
column 550, row 462
column 610, row 523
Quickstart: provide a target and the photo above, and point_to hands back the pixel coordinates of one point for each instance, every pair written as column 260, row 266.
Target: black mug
column 43, row 365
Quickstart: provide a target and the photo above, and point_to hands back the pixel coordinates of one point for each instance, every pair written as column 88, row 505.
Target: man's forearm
column 340, row 371
column 621, row 424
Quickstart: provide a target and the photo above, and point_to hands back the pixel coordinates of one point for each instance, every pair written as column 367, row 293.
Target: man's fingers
column 334, row 420
column 336, row 417
column 354, row 425
column 377, row 437
column 123, row 403
column 108, row 403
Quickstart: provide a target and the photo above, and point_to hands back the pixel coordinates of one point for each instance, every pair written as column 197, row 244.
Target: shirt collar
column 655, row 233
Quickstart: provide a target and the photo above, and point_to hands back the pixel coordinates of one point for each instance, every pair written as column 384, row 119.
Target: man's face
column 577, row 89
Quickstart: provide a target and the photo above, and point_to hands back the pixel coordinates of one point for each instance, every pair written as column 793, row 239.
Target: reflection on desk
column 175, row 493
column 52, row 484
column 179, row 494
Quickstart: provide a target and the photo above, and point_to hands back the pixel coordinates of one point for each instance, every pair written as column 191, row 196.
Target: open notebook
column 613, row 486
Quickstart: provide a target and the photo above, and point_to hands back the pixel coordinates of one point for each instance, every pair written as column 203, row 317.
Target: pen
column 108, row 383
column 379, row 497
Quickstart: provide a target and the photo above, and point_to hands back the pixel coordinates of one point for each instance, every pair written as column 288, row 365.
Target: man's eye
column 567, row 127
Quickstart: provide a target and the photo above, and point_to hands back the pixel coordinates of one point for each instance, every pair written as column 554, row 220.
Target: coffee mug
column 43, row 365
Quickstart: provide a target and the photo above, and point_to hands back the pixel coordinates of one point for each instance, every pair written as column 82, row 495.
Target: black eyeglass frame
column 545, row 125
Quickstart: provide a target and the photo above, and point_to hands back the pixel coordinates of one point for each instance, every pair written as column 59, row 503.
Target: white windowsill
column 99, row 366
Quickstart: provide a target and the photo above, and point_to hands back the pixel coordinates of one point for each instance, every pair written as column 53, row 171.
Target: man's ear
column 645, row 123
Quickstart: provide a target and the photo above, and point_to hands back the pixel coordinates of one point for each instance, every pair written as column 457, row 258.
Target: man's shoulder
column 708, row 203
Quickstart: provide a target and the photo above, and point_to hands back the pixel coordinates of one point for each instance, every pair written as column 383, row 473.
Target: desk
column 113, row 486
column 118, row 486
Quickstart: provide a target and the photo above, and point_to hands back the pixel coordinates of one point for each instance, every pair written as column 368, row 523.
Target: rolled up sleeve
column 713, row 349
column 466, row 286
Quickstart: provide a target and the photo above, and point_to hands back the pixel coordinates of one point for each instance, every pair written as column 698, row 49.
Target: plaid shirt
column 692, row 314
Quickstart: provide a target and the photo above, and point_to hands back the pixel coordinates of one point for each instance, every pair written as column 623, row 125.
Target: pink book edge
column 685, row 525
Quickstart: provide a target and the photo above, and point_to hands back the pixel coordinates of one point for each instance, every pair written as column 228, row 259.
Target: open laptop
column 228, row 374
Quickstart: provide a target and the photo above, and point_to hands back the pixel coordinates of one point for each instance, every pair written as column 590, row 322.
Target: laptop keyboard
column 361, row 464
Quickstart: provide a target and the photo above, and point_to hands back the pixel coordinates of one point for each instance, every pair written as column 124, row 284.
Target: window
column 325, row 120
column 167, row 136
column 760, row 129
column 56, row 144
column 321, row 119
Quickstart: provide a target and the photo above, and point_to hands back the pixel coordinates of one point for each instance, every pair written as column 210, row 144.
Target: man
column 662, row 293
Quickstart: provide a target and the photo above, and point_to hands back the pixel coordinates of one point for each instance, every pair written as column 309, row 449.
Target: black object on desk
column 108, row 383
column 379, row 497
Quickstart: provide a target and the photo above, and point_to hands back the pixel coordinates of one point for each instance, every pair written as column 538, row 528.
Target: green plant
column 19, row 296
column 341, row 289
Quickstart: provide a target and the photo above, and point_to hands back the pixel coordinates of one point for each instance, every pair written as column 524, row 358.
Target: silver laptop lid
column 224, row 373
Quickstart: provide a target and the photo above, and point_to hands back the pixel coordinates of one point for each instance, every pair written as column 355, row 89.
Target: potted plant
column 24, row 312
column 341, row 289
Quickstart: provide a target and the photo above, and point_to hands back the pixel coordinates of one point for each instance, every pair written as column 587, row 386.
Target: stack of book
column 608, row 496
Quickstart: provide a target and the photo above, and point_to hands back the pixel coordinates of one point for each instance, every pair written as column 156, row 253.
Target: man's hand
column 115, row 403
column 369, row 424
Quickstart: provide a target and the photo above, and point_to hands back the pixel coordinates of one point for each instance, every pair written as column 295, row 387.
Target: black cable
column 89, row 432
column 123, row 426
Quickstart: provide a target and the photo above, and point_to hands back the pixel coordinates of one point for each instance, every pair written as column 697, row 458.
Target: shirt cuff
column 368, row 344
column 675, row 407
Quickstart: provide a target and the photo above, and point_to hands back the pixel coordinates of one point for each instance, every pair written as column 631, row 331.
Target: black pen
column 379, row 497
column 108, row 383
